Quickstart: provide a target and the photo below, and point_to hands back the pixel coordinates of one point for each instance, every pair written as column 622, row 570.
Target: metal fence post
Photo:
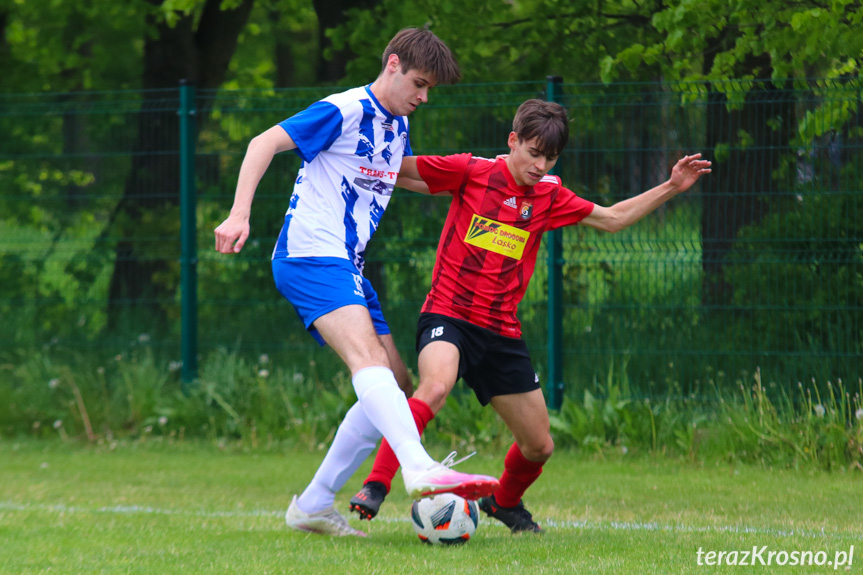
column 188, row 234
column 554, row 243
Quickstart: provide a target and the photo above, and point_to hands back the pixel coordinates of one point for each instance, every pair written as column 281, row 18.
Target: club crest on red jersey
column 526, row 210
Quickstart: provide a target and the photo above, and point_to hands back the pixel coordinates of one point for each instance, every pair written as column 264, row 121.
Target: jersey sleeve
column 568, row 209
column 314, row 129
column 443, row 173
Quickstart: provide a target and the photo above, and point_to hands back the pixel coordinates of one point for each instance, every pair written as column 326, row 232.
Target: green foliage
column 134, row 394
column 800, row 270
column 719, row 40
column 99, row 45
column 517, row 41
column 806, row 427
column 260, row 405
column 757, row 425
column 60, row 46
column 289, row 24
column 611, row 419
column 51, row 261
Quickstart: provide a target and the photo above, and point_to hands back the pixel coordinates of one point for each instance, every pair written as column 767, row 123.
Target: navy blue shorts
column 490, row 364
column 317, row 286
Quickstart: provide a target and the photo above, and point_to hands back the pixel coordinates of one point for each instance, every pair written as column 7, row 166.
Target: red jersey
column 489, row 243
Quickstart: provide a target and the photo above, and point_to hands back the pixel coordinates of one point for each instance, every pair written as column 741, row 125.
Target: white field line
column 574, row 525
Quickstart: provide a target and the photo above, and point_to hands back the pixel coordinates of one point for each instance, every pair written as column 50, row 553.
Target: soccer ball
column 444, row 519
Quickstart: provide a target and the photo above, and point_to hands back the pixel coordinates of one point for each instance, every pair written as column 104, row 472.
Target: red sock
column 518, row 474
column 386, row 463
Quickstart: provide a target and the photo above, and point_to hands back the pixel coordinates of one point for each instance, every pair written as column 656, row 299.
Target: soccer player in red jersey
column 487, row 252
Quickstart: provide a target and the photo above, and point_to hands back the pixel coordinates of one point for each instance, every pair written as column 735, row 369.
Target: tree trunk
column 149, row 210
column 284, row 56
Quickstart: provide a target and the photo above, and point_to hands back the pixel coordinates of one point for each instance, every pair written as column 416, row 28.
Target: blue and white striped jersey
column 352, row 151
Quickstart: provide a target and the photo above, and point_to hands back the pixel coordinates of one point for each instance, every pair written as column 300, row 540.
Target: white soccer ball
column 444, row 519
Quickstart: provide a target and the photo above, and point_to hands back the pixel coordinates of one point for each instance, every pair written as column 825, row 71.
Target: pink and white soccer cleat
column 439, row 478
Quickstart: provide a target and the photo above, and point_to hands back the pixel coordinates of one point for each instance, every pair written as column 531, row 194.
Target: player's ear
column 512, row 141
column 393, row 63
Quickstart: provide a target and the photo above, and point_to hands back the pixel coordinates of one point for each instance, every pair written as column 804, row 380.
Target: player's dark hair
column 419, row 49
column 545, row 121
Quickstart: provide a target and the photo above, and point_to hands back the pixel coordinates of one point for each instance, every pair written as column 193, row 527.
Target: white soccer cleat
column 439, row 478
column 326, row 522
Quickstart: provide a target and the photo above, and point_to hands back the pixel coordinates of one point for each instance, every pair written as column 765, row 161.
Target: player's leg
column 507, row 380
column 438, row 368
column 400, row 370
column 355, row 439
column 438, row 365
column 527, row 417
column 368, row 500
column 343, row 308
column 315, row 287
column 352, row 335
column 356, row 436
column 330, row 292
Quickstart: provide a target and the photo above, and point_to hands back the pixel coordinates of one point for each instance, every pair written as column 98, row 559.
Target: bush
column 258, row 405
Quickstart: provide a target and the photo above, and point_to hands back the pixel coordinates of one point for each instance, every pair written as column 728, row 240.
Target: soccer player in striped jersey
column 352, row 145
column 486, row 255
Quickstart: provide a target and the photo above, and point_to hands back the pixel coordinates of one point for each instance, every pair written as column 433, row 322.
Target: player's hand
column 231, row 235
column 687, row 171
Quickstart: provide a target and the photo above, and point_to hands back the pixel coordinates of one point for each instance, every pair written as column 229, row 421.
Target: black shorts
column 490, row 364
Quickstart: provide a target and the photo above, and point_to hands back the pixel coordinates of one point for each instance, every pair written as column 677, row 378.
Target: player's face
column 526, row 163
column 408, row 91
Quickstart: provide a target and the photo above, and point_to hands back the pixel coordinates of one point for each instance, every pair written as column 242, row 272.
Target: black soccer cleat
column 367, row 502
column 517, row 518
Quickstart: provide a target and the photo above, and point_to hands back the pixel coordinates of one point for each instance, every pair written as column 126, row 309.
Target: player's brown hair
column 545, row 121
column 419, row 49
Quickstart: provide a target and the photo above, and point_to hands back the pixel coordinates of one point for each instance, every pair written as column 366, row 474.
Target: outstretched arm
column 623, row 214
column 232, row 234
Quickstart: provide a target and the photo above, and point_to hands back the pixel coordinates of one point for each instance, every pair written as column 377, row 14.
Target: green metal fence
column 759, row 266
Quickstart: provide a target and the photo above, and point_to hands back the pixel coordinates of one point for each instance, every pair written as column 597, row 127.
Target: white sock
column 387, row 408
column 354, row 441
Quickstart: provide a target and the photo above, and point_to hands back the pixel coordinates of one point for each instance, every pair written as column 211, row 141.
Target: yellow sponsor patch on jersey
column 496, row 237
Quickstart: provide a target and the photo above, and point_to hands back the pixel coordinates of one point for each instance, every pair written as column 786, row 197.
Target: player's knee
column 549, row 448
column 378, row 355
column 433, row 393
column 539, row 451
column 360, row 359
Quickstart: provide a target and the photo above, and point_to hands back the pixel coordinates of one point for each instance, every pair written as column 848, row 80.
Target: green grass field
column 192, row 508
